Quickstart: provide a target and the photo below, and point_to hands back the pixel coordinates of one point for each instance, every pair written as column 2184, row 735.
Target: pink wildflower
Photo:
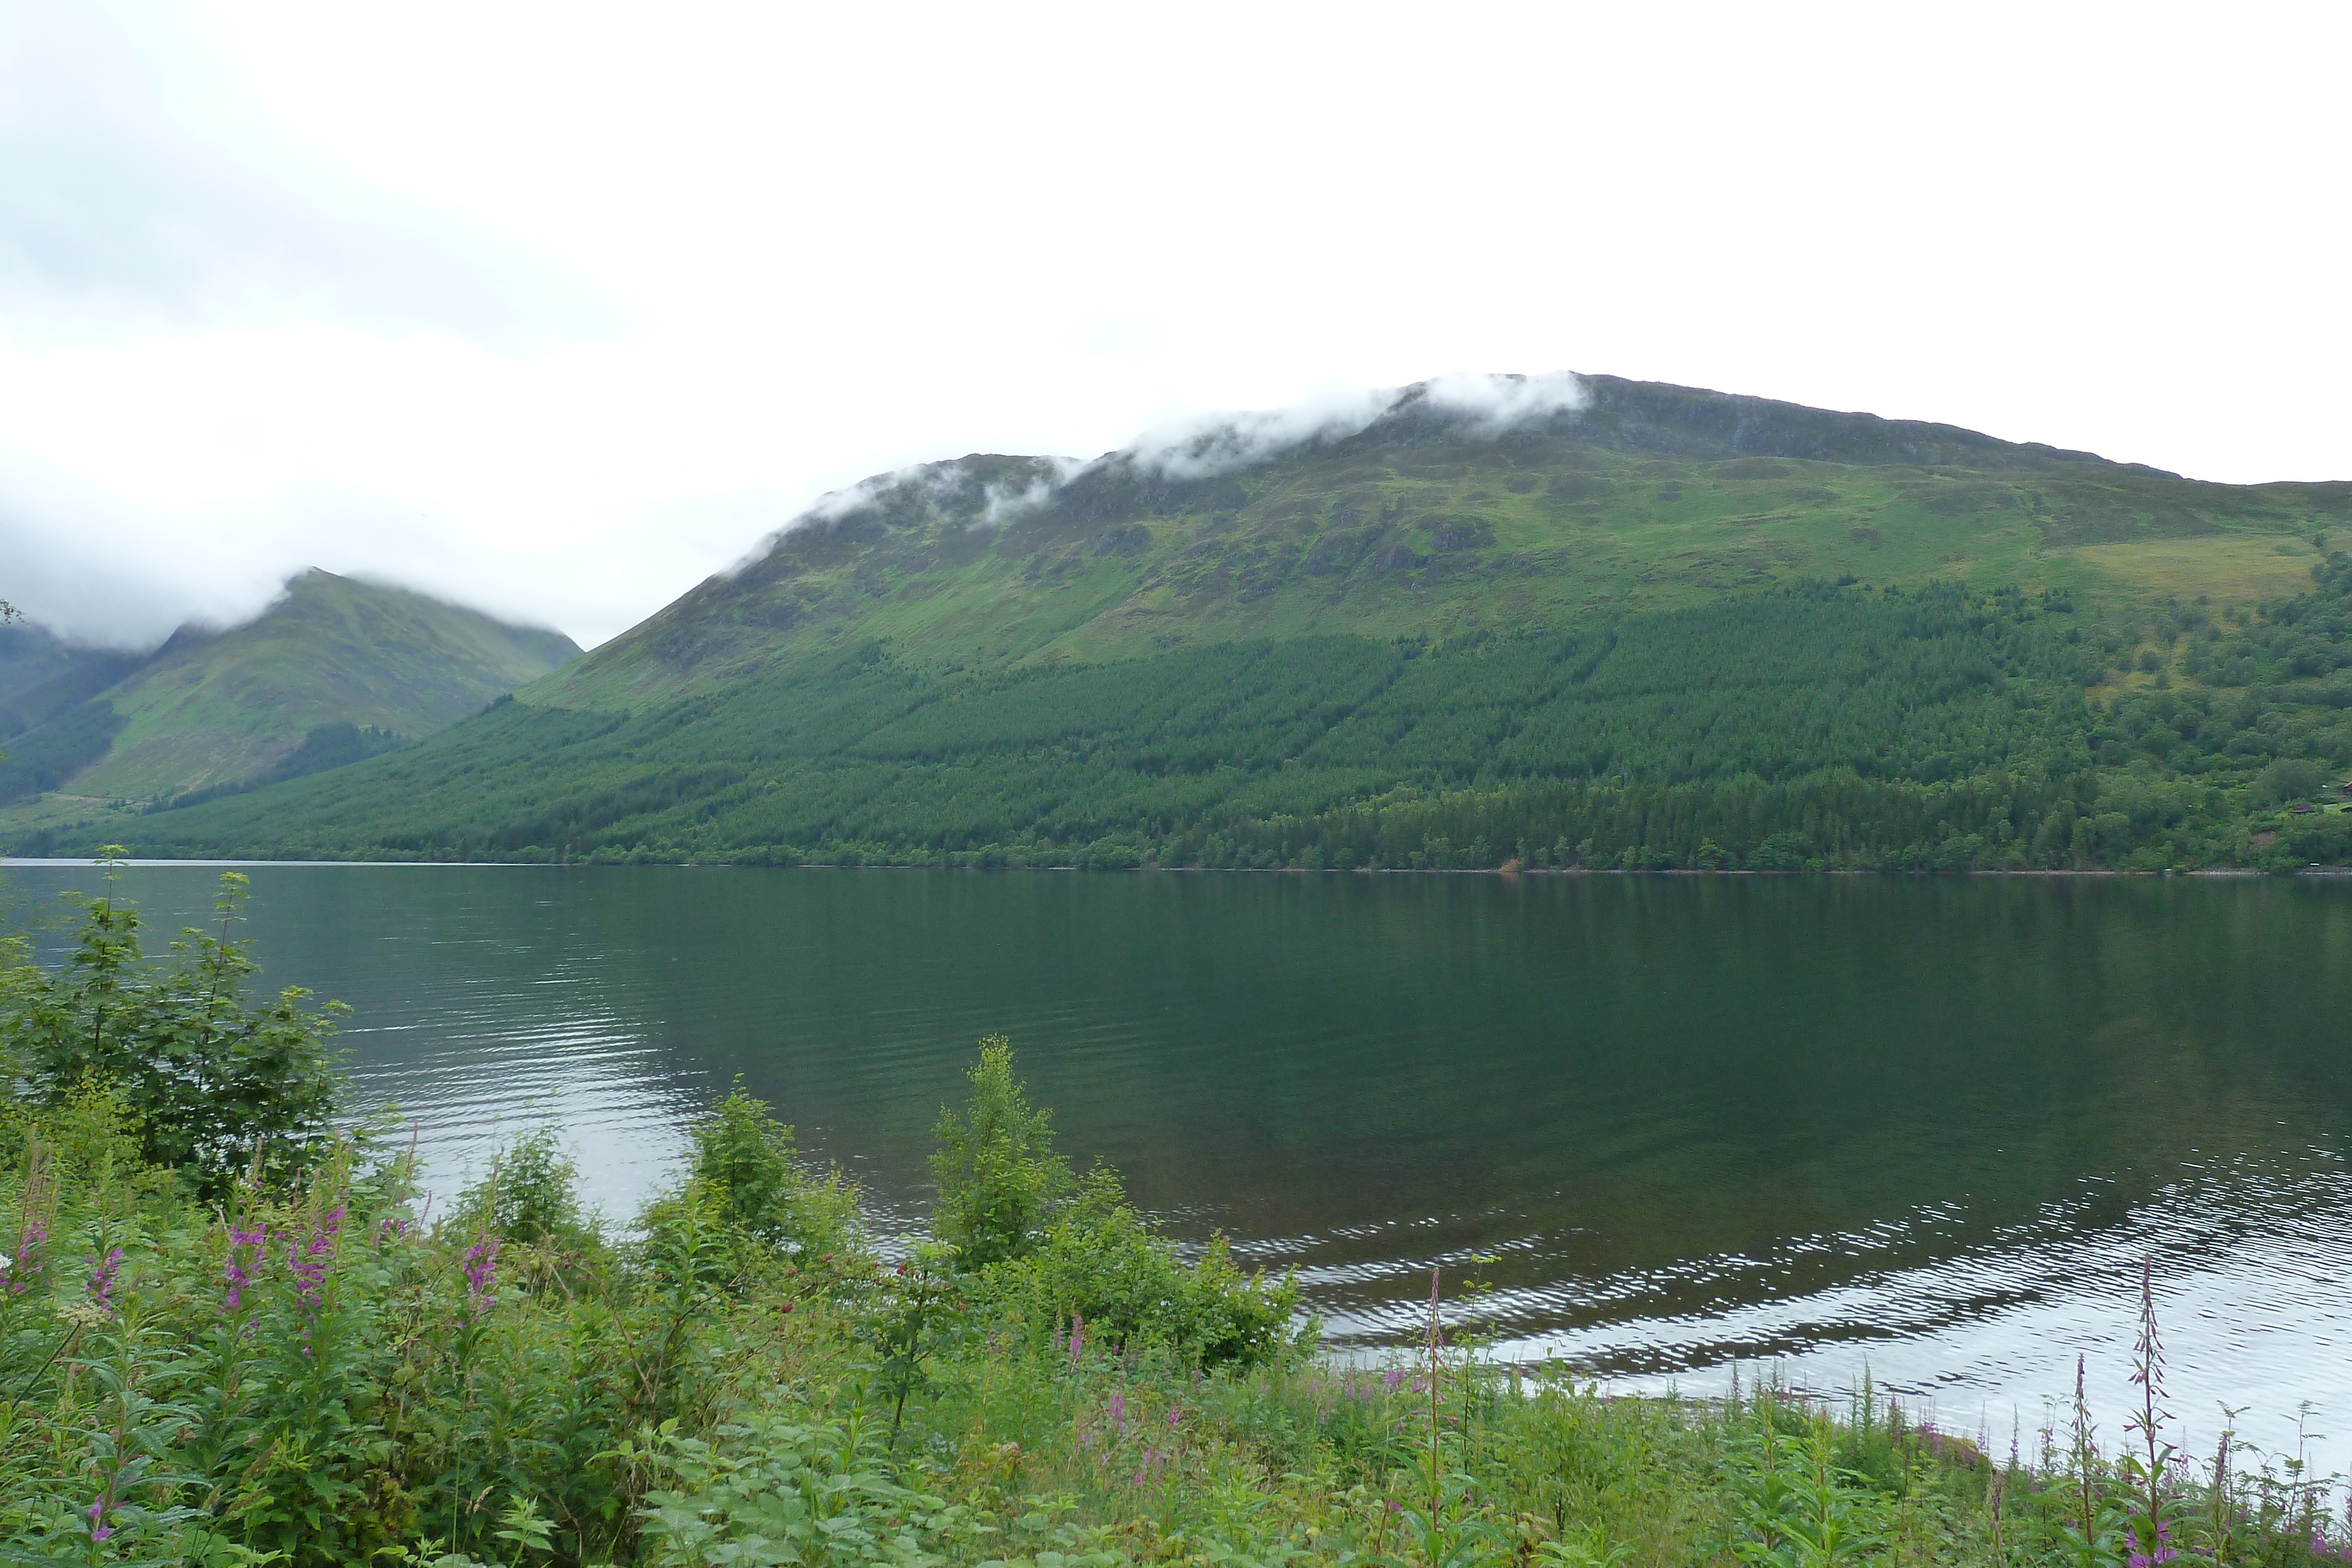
column 481, row 1274
column 27, row 1261
column 242, row 1272
column 310, row 1260
column 101, row 1282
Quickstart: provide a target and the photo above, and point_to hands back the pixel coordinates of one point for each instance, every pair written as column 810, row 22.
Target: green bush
column 747, row 1158
column 997, row 1172
column 2289, row 779
column 1054, row 1250
column 1102, row 1265
column 210, row 1085
column 747, row 1211
column 530, row 1195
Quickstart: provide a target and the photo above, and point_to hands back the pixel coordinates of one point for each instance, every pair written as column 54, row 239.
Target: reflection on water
column 1934, row 1126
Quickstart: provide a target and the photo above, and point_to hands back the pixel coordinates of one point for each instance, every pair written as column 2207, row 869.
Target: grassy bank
column 270, row 1348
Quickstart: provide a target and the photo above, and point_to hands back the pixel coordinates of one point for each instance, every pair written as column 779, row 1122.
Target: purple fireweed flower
column 1077, row 1338
column 99, row 1529
column 1395, row 1378
column 310, row 1259
column 2165, row 1551
column 242, row 1272
column 27, row 1261
column 36, row 1207
column 101, row 1282
column 1172, row 1414
column 1118, row 1411
column 481, row 1273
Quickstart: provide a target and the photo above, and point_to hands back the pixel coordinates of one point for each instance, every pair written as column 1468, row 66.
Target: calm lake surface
column 1928, row 1125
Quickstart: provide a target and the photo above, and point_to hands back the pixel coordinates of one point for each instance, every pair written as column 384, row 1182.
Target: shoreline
column 9, row 862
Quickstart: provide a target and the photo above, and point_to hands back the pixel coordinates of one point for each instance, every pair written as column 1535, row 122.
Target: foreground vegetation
column 252, row 1340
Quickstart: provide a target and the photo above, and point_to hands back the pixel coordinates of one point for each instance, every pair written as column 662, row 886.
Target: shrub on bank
column 206, row 1082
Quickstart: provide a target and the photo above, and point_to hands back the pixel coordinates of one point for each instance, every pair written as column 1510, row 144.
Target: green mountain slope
column 220, row 708
column 1670, row 628
column 1421, row 524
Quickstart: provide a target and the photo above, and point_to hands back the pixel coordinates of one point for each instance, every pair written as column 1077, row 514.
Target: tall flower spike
column 36, row 1210
column 481, row 1274
column 2155, row 1463
column 241, row 1271
column 101, row 1280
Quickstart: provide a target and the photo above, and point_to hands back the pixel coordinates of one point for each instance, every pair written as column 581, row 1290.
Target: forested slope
column 1814, row 725
column 1664, row 628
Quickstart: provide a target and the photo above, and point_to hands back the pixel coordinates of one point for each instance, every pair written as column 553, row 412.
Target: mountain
column 42, row 675
column 1428, row 522
column 1618, row 624
column 330, row 670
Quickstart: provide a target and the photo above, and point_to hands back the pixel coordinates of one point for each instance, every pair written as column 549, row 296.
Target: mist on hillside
column 1481, row 406
column 138, row 604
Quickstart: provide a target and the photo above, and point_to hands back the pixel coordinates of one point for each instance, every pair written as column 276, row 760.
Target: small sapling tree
column 917, row 1316
column 998, row 1175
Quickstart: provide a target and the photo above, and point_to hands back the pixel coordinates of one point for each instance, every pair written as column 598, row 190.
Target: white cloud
column 558, row 308
column 1491, row 404
column 1004, row 502
column 1207, row 444
column 139, row 191
column 66, row 567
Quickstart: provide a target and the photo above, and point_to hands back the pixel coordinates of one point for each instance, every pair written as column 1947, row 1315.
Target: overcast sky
column 556, row 309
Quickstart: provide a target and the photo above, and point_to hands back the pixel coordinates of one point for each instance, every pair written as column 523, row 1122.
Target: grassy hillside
column 1651, row 497
column 219, row 709
column 1670, row 629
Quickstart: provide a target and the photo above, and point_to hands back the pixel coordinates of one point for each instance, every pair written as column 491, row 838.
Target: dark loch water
column 1931, row 1126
